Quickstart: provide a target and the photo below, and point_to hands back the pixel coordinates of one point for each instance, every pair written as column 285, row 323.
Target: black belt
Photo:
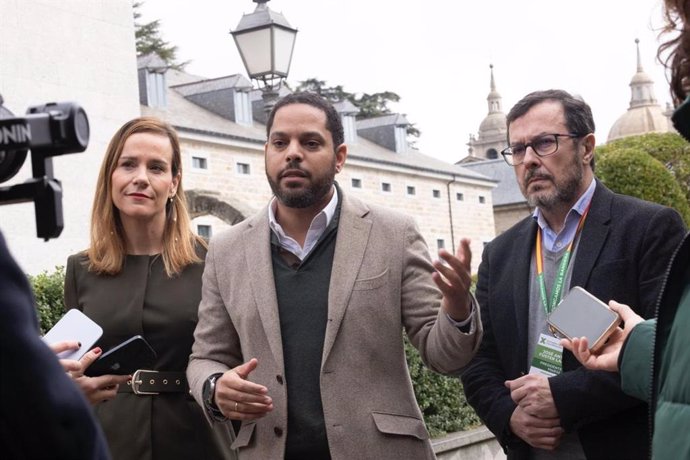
column 148, row 382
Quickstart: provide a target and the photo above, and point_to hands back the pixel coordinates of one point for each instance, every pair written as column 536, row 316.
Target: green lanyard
column 557, row 291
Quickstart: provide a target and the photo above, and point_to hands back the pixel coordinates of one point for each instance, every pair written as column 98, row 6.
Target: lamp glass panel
column 283, row 44
column 255, row 47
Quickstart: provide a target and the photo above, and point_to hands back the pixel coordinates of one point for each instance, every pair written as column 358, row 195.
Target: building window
column 385, row 187
column 411, row 190
column 440, row 244
column 356, row 183
column 491, row 154
column 460, row 196
column 199, row 163
column 244, row 168
column 436, row 193
column 204, row 231
column 482, row 200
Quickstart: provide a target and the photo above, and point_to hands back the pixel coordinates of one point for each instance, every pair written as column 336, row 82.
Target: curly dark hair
column 674, row 52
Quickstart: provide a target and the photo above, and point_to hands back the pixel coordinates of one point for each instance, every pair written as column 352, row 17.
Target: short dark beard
column 566, row 192
column 303, row 198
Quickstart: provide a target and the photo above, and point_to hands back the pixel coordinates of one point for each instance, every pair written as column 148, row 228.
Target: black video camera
column 47, row 130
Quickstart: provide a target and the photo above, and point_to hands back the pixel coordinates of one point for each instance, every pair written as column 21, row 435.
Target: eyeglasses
column 543, row 146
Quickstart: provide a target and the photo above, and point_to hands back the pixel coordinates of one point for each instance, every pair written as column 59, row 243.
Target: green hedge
column 48, row 291
column 634, row 172
column 441, row 399
column 669, row 148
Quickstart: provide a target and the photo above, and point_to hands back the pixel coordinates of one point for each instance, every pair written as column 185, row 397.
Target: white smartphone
column 74, row 325
column 580, row 314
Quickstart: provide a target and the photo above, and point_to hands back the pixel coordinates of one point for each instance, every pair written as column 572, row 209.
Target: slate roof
column 507, row 192
column 188, row 116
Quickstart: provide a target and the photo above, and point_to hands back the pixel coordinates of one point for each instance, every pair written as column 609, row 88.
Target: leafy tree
column 634, row 172
column 669, row 148
column 369, row 105
column 148, row 40
column 333, row 94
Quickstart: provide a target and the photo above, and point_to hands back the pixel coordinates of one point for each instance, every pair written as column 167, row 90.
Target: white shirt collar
column 316, row 228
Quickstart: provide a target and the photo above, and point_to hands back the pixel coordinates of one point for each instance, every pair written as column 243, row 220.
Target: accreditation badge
column 548, row 356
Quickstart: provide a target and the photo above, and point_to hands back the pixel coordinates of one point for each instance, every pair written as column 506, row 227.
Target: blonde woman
column 141, row 275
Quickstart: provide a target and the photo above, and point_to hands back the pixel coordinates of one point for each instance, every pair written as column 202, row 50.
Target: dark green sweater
column 302, row 291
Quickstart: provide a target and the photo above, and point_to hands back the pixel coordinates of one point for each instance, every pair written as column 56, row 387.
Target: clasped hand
column 535, row 419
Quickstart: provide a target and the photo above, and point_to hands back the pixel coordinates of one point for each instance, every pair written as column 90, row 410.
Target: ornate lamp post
column 265, row 40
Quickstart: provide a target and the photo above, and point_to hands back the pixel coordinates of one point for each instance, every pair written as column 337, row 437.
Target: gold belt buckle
column 137, row 381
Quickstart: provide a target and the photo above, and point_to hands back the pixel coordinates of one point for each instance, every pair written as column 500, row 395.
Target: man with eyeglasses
column 538, row 400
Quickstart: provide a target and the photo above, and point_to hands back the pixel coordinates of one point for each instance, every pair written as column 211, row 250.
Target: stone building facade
column 225, row 178
column 85, row 52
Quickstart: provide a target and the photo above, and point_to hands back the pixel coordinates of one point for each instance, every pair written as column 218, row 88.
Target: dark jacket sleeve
column 44, row 414
column 484, row 377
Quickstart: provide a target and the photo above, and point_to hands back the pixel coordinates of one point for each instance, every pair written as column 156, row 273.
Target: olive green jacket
column 655, row 362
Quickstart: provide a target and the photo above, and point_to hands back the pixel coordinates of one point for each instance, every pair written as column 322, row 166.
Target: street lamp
column 265, row 40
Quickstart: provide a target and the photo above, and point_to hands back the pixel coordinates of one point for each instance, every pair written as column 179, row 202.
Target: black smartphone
column 580, row 314
column 132, row 354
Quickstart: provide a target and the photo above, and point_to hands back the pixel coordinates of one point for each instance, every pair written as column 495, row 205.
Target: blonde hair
column 107, row 250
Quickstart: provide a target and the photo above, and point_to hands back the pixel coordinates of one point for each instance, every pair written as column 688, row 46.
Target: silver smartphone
column 74, row 325
column 580, row 314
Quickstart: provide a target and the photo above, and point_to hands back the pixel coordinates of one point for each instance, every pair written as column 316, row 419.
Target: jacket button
column 278, row 431
column 279, row 378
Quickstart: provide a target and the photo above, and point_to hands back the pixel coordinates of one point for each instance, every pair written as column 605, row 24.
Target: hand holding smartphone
column 132, row 354
column 580, row 314
column 74, row 325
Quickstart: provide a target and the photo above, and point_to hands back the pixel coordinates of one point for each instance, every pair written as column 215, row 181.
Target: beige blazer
column 381, row 283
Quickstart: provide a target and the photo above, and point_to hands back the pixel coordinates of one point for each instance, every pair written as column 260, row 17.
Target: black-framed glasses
column 544, row 145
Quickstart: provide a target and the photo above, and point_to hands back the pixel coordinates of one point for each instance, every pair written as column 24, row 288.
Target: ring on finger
column 236, row 403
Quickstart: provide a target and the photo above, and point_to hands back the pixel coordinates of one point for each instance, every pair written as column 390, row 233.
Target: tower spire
column 494, row 98
column 493, row 83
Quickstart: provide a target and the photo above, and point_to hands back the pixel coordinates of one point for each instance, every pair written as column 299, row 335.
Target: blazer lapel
column 350, row 245
column 257, row 252
column 594, row 234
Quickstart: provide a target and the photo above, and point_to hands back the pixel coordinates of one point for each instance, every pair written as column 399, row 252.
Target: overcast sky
column 436, row 55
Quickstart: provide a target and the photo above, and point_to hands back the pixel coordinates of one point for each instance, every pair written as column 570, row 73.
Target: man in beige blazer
column 300, row 331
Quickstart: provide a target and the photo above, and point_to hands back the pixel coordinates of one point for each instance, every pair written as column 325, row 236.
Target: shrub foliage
column 440, row 398
column 669, row 148
column 632, row 171
column 48, row 291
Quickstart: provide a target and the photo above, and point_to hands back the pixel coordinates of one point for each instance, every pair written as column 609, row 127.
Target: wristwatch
column 208, row 394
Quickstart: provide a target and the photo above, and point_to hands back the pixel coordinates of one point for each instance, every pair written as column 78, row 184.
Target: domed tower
column 644, row 115
column 492, row 135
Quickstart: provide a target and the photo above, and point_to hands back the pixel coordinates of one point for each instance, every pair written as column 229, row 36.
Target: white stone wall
column 75, row 50
column 470, row 218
